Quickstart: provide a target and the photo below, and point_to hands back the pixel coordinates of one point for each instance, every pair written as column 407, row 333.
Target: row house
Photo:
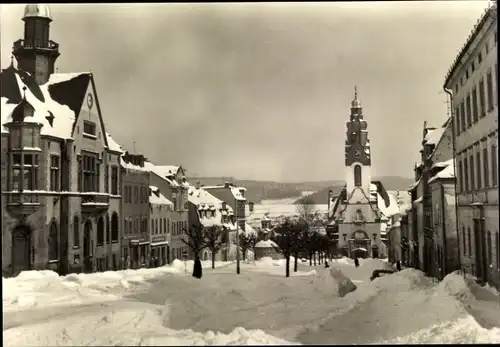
column 172, row 183
column 472, row 83
column 58, row 211
column 135, row 240
column 161, row 212
column 205, row 210
column 436, row 147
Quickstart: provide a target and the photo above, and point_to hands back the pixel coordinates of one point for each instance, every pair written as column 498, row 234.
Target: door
column 87, row 247
column 374, row 252
column 21, row 250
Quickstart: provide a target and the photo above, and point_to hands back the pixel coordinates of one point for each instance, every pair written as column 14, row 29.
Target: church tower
column 36, row 53
column 357, row 151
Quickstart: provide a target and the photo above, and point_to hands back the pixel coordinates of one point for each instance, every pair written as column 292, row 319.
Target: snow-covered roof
column 393, row 207
column 157, row 198
column 266, row 244
column 418, row 201
column 163, row 171
column 433, row 136
column 447, row 172
column 413, row 185
column 249, row 230
column 236, row 191
column 113, row 145
column 130, row 166
column 203, row 200
column 23, row 85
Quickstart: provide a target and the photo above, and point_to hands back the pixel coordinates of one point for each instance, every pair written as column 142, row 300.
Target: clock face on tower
column 90, row 100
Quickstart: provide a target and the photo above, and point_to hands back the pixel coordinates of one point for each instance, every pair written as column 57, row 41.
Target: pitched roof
column 69, row 89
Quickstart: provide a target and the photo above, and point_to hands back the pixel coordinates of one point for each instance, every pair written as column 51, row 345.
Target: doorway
column 87, row 247
column 374, row 252
column 21, row 250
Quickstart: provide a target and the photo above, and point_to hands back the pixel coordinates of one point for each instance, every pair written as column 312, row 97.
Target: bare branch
column 213, row 238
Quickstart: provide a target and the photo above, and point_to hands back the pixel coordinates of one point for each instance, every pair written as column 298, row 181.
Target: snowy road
column 260, row 306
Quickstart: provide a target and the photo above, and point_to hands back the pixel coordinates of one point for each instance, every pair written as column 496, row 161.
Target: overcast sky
column 262, row 90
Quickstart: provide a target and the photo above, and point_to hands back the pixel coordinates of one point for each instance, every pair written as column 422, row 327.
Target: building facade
column 58, row 212
column 472, row 85
column 360, row 213
column 172, row 183
column 135, row 240
column 161, row 210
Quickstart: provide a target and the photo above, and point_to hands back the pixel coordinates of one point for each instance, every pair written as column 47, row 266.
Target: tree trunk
column 310, row 259
column 314, row 257
column 213, row 260
column 319, row 258
column 244, row 252
column 295, row 264
column 287, row 266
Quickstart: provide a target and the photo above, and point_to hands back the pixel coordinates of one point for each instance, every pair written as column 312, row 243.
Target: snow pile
column 125, row 323
column 333, row 281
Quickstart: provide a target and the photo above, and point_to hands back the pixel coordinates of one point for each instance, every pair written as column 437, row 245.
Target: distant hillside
column 389, row 182
column 267, row 190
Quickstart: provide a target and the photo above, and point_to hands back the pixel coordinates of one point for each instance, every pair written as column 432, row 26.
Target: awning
column 162, row 243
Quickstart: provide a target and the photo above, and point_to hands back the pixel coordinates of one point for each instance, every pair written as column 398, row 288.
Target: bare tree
column 286, row 238
column 195, row 240
column 213, row 240
column 247, row 241
column 306, row 208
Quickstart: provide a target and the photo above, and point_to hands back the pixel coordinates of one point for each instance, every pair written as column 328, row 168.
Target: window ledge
column 114, row 241
column 54, row 261
column 76, row 247
column 90, row 136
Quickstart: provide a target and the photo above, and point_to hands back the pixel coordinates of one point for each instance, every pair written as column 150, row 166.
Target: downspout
column 447, row 91
column 444, row 264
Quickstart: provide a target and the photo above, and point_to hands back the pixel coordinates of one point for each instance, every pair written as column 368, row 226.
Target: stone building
column 60, row 182
column 161, row 210
column 135, row 239
column 472, row 83
column 358, row 216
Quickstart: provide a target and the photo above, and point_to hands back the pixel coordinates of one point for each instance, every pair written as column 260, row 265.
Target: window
column 357, row 176
column 460, row 178
column 482, row 103
column 494, row 166
column 136, row 225
column 472, row 176
column 462, row 114
column 76, row 232
column 345, row 237
column 475, row 112
column 152, row 225
column 24, row 173
column 489, row 90
column 114, row 227
column 464, row 246
column 100, row 231
column 168, row 225
column 52, row 243
column 156, row 227
column 466, row 175
column 469, row 110
column 114, row 180
column 108, row 229
column 136, row 194
column 54, row 173
column 165, row 225
column 456, row 88
column 472, row 67
column 480, row 58
column 478, row 172
column 486, row 168
column 90, row 173
column 89, row 128
column 486, row 48
column 375, row 237
column 125, row 226
column 469, row 240
column 456, row 120
column 466, row 74
column 80, row 177
column 106, row 179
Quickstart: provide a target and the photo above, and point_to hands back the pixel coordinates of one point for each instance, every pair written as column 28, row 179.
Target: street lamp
column 250, row 206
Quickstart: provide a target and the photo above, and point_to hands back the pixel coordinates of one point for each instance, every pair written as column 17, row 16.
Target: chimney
column 198, row 184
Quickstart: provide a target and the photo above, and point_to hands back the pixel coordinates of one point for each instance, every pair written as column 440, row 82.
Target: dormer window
column 89, row 128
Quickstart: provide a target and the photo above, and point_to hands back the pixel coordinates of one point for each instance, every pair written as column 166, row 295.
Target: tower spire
column 355, row 92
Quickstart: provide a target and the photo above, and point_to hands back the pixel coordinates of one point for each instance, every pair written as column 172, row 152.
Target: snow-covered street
column 165, row 306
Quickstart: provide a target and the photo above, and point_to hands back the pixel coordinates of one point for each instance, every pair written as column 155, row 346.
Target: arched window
column 114, row 227
column 108, row 229
column 357, row 176
column 76, row 231
column 53, row 244
column 100, row 231
column 359, row 215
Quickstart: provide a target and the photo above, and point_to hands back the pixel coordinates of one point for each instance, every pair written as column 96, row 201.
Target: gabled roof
column 69, row 89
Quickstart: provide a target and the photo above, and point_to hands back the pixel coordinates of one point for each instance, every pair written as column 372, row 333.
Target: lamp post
column 250, row 205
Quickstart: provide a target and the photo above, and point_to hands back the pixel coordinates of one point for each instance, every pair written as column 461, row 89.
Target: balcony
column 48, row 45
column 23, row 203
column 94, row 203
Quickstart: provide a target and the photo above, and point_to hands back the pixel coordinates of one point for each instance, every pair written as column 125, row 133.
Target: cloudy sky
column 262, row 91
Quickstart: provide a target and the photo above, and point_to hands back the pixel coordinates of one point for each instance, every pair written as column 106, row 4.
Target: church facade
column 60, row 187
column 356, row 217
